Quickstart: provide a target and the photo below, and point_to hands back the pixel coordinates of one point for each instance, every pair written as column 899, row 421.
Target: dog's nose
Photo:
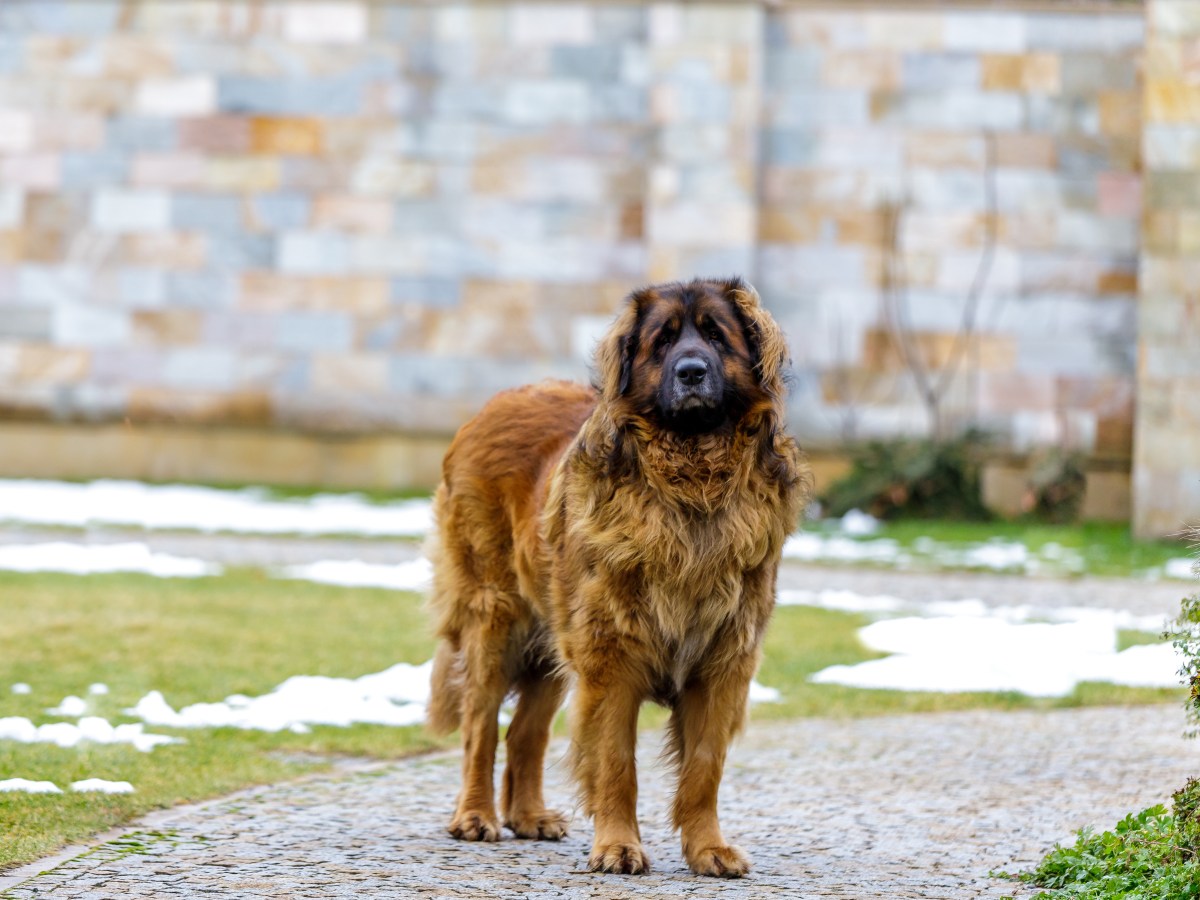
column 691, row 370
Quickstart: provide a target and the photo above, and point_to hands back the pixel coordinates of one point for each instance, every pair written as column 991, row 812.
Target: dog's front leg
column 605, row 741
column 708, row 714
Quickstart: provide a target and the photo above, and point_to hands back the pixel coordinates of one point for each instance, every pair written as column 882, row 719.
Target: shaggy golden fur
column 626, row 538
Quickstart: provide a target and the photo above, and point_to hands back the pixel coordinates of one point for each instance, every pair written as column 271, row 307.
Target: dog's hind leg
column 485, row 682
column 521, row 798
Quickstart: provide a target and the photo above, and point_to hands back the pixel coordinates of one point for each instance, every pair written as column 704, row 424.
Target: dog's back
column 486, row 512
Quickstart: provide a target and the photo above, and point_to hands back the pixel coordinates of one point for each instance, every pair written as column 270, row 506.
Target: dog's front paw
column 475, row 826
column 546, row 825
column 619, row 859
column 723, row 862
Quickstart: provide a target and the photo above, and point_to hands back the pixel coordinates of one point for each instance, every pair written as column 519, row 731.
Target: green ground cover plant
column 204, row 639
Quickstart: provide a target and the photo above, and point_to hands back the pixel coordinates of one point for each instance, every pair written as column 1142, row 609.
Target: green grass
column 204, row 639
column 194, row 640
column 1092, row 548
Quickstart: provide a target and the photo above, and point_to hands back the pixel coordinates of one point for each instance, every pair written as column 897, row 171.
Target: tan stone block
column 362, row 373
column 1041, row 73
column 869, row 70
column 174, row 250
column 881, row 350
column 135, row 56
column 47, row 364
column 349, row 213
column 1121, row 112
column 56, row 213
column 243, row 173
column 1116, row 281
column 931, row 231
column 44, row 246
column 199, row 407
column 394, row 177
column 860, row 227
column 170, row 326
column 215, row 134
column 907, row 30
column 94, row 95
column 1166, row 101
column 276, row 293
column 1162, row 60
column 1185, row 402
column 1026, row 151
column 1188, row 233
column 789, row 225
column 289, row 137
column 1006, row 393
column 632, row 223
column 1002, row 71
column 1029, row 229
column 1161, row 232
column 944, row 150
column 1108, row 497
column 1114, row 437
column 12, row 247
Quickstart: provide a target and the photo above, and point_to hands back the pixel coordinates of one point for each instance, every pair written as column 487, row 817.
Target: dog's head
column 693, row 357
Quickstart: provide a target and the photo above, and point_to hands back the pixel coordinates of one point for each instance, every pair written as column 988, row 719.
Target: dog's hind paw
column 722, row 862
column 474, row 826
column 546, row 825
column 620, row 859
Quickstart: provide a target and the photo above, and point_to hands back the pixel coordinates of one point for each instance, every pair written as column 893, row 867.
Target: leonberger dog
column 622, row 540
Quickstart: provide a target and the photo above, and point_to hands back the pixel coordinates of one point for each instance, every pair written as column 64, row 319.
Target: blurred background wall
column 304, row 241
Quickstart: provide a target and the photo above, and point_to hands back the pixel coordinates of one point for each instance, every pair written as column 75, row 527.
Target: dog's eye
column 664, row 340
column 714, row 335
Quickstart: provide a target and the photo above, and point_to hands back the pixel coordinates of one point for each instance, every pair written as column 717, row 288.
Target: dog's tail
column 446, row 689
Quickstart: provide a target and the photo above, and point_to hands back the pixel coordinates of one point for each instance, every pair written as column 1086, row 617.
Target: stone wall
column 365, row 216
column 1167, row 460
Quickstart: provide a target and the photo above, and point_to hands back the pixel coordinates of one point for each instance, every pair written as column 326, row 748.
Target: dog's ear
column 768, row 347
column 614, row 355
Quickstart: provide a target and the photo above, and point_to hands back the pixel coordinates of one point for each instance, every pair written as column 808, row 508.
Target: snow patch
column 30, row 787
column 88, row 559
column 21, row 688
column 101, row 786
column 131, row 504
column 71, row 708
column 89, row 728
column 1181, row 568
column 415, row 575
column 396, row 696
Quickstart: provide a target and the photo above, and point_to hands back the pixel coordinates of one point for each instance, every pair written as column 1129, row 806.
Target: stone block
column 1120, row 194
column 619, row 24
column 596, row 62
column 52, row 285
column 951, row 110
column 1005, row 489
column 284, row 211
column 1121, row 111
column 338, row 95
column 985, row 32
column 325, row 22
column 1171, row 190
column 804, row 108
column 313, row 253
column 940, row 71
column 1108, row 497
column 16, row 131
column 388, row 176
column 1166, row 101
column 94, row 170
column 874, row 70
column 1175, row 19
column 198, row 368
column 314, row 332
column 168, row 170
column 220, row 213
column 433, row 292
column 132, row 134
column 1084, row 73
column 39, row 364
column 242, row 174
column 170, row 251
column 232, row 252
column 360, row 373
column 12, row 53
column 789, row 68
column 81, row 325
column 58, row 212
column 178, row 97
column 215, row 134
column 268, row 291
column 122, row 211
column 12, row 207
column 286, row 136
column 346, row 212
column 172, row 326
column 1112, row 32
column 34, row 172
column 25, row 324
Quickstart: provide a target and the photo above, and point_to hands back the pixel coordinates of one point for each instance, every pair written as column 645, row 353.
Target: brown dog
column 627, row 538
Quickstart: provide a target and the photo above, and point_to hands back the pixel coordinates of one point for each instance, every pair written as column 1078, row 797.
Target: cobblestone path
column 900, row 807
